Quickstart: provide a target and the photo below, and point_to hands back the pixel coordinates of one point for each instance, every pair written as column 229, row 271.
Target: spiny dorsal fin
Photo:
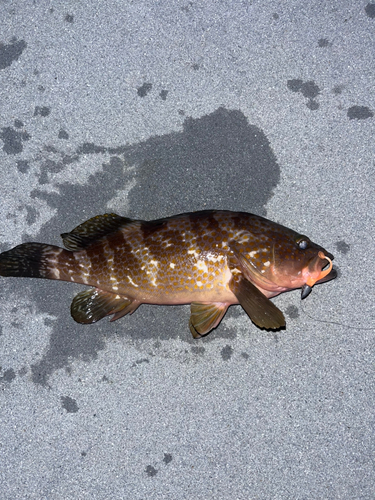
column 92, row 230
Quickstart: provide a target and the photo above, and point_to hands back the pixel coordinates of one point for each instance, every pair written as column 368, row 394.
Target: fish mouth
column 325, row 274
column 329, row 255
column 330, row 276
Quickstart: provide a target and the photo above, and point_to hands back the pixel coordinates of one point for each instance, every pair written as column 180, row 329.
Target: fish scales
column 211, row 259
column 178, row 256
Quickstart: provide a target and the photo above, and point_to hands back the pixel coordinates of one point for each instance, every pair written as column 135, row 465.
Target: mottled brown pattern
column 210, row 257
column 182, row 255
column 65, row 263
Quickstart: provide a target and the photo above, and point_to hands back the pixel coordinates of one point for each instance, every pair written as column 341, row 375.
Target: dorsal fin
column 92, row 230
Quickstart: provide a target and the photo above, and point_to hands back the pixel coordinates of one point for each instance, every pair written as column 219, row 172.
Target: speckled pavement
column 149, row 109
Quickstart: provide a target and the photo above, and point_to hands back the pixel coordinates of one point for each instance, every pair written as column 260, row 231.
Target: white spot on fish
column 242, row 237
column 253, row 253
column 172, row 265
column 202, row 266
column 154, row 262
column 131, row 281
column 266, row 264
column 194, row 252
column 214, row 257
column 84, row 278
column 167, row 243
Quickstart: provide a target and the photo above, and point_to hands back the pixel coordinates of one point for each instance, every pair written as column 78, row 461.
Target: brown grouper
column 208, row 259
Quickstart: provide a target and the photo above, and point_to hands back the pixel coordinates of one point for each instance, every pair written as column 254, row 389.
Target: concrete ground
column 153, row 108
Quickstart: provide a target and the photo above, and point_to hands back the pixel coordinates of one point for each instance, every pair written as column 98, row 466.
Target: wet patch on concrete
column 226, row 352
column 144, row 89
column 217, row 161
column 69, row 404
column 359, row 113
column 11, row 52
column 13, row 140
column 292, row 312
column 308, row 89
column 151, row 471
column 8, row 375
column 342, row 247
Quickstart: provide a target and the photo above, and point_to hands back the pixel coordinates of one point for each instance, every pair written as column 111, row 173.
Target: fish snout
column 319, row 272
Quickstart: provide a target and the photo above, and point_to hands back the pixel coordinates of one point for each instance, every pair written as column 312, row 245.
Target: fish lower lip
column 306, row 289
column 332, row 275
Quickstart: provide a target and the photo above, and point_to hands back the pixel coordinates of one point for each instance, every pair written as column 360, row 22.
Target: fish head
column 297, row 262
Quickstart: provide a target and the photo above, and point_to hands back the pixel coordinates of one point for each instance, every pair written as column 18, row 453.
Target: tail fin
column 31, row 260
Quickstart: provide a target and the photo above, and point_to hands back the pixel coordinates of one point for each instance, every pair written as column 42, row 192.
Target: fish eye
column 303, row 243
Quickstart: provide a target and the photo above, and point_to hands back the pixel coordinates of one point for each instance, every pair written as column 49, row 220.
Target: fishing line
column 334, row 322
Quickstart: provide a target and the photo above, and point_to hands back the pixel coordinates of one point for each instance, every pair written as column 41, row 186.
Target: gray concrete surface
column 154, row 108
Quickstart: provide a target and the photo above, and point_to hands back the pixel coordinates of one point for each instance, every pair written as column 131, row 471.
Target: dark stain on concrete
column 308, row 89
column 167, row 458
column 370, row 10
column 292, row 312
column 22, row 166
column 69, row 404
column 359, row 113
column 8, row 375
column 42, row 111
column 163, row 94
column 11, row 52
column 198, row 350
column 13, row 139
column 144, row 89
column 151, row 471
column 337, row 89
column 342, row 247
column 217, row 161
column 226, row 352
column 63, row 134
column 324, row 42
column 18, row 124
column 32, row 214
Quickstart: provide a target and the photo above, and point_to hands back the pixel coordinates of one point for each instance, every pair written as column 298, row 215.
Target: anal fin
column 92, row 305
column 259, row 308
column 205, row 317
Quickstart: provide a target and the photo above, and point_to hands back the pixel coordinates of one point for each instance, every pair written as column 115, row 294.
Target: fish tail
column 31, row 260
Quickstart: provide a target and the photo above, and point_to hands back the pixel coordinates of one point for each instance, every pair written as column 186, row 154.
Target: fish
column 209, row 259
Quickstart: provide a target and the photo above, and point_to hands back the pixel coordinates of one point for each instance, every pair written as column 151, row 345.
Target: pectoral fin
column 260, row 309
column 205, row 317
column 92, row 305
